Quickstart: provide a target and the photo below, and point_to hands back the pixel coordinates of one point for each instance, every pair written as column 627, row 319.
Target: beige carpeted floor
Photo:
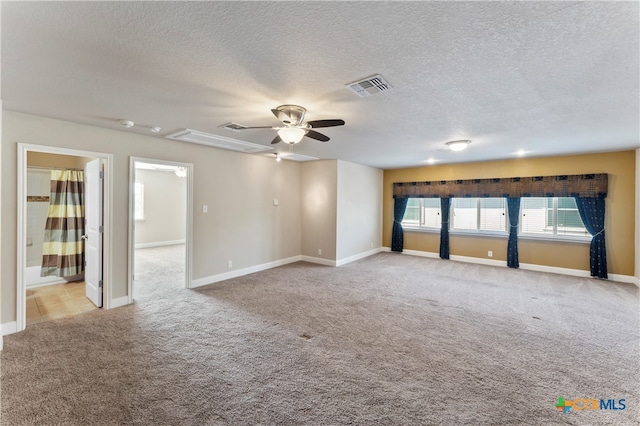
column 389, row 340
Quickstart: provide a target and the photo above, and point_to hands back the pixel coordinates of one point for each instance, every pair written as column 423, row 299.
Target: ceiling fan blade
column 317, row 136
column 276, row 140
column 325, row 123
column 255, row 127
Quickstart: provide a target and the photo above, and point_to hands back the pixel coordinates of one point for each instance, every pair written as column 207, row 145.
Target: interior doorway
column 46, row 264
column 160, row 228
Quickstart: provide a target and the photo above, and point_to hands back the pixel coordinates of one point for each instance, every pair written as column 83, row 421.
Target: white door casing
column 93, row 231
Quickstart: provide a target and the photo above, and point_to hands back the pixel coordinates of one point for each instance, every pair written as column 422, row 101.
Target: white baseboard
column 625, row 279
column 119, row 301
column 477, row 260
column 318, row 260
column 525, row 266
column 199, row 282
column 344, row 261
column 9, row 327
column 358, row 256
column 159, row 244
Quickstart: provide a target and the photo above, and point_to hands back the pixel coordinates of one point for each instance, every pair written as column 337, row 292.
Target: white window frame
column 498, row 234
column 478, row 231
column 420, row 227
column 555, row 236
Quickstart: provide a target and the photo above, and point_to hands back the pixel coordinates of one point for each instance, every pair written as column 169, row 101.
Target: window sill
column 490, row 234
column 416, row 229
column 555, row 238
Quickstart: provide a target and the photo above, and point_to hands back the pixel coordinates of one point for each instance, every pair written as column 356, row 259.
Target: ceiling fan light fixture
column 459, row 145
column 291, row 135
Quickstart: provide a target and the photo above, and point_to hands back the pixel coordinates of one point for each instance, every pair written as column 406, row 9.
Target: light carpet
column 387, row 340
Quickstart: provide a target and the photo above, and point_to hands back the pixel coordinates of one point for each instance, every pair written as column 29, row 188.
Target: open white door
column 93, row 231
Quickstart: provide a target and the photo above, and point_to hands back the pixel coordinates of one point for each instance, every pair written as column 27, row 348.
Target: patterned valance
column 591, row 185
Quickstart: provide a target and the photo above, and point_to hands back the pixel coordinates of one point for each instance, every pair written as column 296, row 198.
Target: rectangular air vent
column 369, row 86
column 233, row 126
column 202, row 138
column 296, row 157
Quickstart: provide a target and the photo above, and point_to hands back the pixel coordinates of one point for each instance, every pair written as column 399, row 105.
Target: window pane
column 569, row 222
column 431, row 210
column 493, row 214
column 412, row 213
column 536, row 215
column 465, row 213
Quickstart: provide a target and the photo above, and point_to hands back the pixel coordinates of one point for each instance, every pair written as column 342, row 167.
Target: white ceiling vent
column 369, row 86
column 202, row 138
column 297, row 157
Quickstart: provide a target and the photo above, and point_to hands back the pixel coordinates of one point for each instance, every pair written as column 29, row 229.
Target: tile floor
column 56, row 301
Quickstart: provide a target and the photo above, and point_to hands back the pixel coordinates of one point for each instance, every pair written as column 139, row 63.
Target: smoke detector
column 369, row 86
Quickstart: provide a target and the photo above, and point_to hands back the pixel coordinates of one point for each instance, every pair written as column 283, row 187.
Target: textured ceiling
column 545, row 77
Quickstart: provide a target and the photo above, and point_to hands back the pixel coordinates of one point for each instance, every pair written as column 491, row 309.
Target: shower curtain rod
column 54, row 168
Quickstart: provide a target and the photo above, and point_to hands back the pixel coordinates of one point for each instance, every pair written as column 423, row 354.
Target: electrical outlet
column 490, row 253
column 319, row 252
column 229, row 264
column 205, row 209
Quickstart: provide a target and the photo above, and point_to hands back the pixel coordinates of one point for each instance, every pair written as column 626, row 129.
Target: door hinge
column 100, row 283
column 100, row 228
column 101, row 175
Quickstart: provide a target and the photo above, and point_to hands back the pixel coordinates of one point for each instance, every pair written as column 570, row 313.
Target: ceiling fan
column 294, row 127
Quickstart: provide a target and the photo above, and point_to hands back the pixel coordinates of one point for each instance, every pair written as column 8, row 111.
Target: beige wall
column 359, row 209
column 319, row 206
column 619, row 222
column 165, row 197
column 242, row 224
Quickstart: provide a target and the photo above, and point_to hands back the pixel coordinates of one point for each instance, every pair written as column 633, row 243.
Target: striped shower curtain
column 63, row 249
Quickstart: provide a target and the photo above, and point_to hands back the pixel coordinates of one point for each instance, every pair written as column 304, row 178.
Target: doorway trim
column 188, row 267
column 21, row 249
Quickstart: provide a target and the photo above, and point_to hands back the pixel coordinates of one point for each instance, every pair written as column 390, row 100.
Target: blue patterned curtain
column 592, row 214
column 397, row 235
column 513, row 208
column 445, row 206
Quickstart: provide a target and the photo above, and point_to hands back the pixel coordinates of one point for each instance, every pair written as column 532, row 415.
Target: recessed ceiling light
column 431, row 160
column 458, row 145
column 155, row 129
column 127, row 123
column 521, row 153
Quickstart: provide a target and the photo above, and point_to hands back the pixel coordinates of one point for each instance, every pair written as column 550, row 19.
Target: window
column 546, row 217
column 422, row 212
column 551, row 216
column 138, row 197
column 479, row 214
